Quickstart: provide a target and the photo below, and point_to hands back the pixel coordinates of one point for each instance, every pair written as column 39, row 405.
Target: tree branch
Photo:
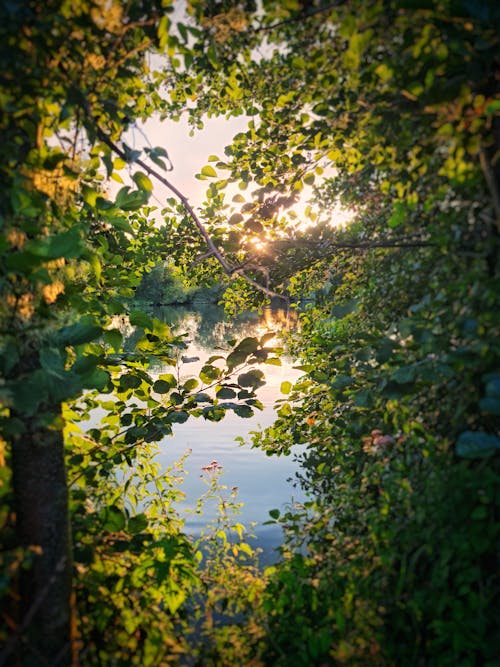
column 213, row 250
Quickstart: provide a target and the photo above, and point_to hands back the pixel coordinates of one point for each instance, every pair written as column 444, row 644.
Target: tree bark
column 42, row 520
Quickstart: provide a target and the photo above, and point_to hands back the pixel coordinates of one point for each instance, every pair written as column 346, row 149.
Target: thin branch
column 159, row 177
column 353, row 246
column 214, row 251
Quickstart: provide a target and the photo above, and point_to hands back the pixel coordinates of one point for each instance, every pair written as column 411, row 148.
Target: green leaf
column 209, row 373
column 490, row 406
column 236, row 358
column 68, row 244
column 476, row 444
column 190, row 384
column 113, row 519
column 52, row 360
column 398, row 215
column 178, row 417
column 493, row 388
column 130, row 381
column 202, row 397
column 81, row 332
column 114, row 338
column 243, row 411
column 286, row 387
column 208, row 170
column 248, row 345
column 131, row 200
column 235, row 219
column 254, row 226
column 142, row 181
column 404, row 375
column 161, row 387
column 225, row 393
column 137, row 524
column 96, row 379
column 254, row 379
column 140, row 319
column 266, row 338
column 274, row 514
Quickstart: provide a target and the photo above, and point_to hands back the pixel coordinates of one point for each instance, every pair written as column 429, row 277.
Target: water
column 263, row 482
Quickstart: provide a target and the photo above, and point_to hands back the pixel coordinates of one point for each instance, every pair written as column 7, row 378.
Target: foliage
column 391, row 108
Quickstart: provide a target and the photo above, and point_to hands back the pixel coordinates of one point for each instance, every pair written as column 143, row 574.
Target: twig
column 228, row 269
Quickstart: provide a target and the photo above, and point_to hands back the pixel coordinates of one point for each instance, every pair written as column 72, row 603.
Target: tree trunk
column 42, row 520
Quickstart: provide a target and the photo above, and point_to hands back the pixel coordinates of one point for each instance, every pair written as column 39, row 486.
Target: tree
column 74, row 77
column 398, row 404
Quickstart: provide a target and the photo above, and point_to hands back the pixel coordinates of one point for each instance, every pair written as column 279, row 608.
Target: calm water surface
column 263, row 482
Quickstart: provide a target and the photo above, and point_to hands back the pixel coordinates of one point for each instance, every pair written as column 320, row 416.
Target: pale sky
column 188, row 154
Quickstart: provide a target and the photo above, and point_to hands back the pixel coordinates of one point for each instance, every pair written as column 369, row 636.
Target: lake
column 263, row 482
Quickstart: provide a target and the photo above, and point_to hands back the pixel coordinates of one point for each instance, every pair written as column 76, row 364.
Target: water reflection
column 210, row 328
column 263, row 482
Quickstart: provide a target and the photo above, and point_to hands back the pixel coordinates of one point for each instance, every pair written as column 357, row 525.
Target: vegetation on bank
column 165, row 285
column 388, row 106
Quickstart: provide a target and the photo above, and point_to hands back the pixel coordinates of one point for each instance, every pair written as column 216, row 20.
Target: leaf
column 208, row 170
column 341, row 381
column 398, row 215
column 235, row 219
column 476, row 444
column 130, row 381
column 78, row 333
column 113, row 519
column 131, row 200
column 52, row 361
column 202, row 397
column 490, row 406
column 137, row 524
column 493, row 388
column 68, row 244
column 404, row 375
column 274, row 514
column 178, row 417
column 114, row 338
column 267, row 337
column 142, row 181
column 286, row 387
column 243, row 411
column 140, row 319
column 248, row 345
column 190, row 384
column 236, row 358
column 254, row 226
column 253, row 378
column 97, row 378
column 161, row 387
column 225, row 393
column 209, row 373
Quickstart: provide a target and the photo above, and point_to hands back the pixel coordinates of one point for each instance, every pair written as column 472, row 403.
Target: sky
column 187, row 154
